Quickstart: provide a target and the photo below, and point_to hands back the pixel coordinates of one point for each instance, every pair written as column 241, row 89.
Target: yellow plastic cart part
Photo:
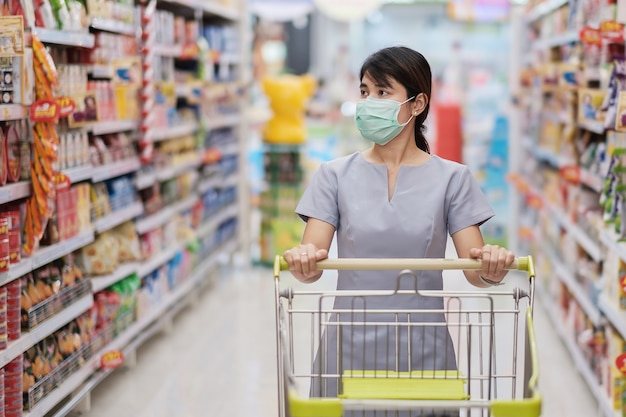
column 528, row 407
column 314, row 407
column 417, row 385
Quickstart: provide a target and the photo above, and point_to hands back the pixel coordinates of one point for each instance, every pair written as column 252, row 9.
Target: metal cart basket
column 320, row 347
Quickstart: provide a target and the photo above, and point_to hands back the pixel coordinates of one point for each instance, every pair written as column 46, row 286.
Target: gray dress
column 429, row 202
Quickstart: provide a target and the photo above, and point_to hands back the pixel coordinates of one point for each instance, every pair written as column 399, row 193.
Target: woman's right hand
column 302, row 261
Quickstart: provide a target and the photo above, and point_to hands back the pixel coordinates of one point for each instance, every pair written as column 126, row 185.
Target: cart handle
column 524, row 263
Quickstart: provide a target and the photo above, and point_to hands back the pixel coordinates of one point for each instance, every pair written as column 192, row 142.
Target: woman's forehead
column 386, row 82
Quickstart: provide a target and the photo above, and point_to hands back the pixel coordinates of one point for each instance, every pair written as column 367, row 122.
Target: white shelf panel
column 16, row 271
column 102, row 71
column 616, row 316
column 159, row 259
column 46, row 328
column 211, row 7
column 66, row 38
column 143, row 181
column 112, row 25
column 171, row 51
column 577, row 356
column 106, row 128
column 48, row 254
column 584, row 300
column 118, row 217
column 609, row 239
column 13, row 112
column 99, row 283
column 164, row 133
column 557, row 40
column 155, row 220
column 162, row 217
column 15, row 191
column 79, row 174
column 174, row 171
column 588, row 244
column 115, row 169
column 211, row 225
column 544, row 8
column 208, row 184
column 218, row 122
column 595, row 127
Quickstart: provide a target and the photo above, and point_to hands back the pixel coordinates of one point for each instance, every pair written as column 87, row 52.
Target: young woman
column 394, row 200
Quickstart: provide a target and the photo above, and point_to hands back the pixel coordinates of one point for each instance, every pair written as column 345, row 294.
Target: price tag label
column 44, row 111
column 590, row 36
column 66, row 106
column 612, row 31
column 112, row 360
column 571, row 173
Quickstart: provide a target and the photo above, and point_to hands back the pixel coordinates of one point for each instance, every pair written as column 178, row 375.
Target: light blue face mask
column 377, row 119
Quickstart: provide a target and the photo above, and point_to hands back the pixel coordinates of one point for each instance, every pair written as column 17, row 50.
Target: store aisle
column 219, row 361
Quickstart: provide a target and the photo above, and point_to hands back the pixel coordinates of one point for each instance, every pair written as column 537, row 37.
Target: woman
column 394, row 200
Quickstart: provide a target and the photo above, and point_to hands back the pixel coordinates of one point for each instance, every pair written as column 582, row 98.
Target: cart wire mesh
column 329, row 364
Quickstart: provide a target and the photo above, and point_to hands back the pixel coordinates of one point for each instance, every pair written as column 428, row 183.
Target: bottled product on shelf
column 101, row 243
column 572, row 206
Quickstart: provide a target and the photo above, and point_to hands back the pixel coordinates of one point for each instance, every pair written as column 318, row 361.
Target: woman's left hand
column 495, row 260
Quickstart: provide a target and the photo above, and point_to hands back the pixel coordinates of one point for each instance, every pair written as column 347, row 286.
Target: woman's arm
column 316, row 240
column 469, row 243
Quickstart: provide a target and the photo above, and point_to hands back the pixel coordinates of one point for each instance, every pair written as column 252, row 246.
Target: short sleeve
column 468, row 205
column 319, row 200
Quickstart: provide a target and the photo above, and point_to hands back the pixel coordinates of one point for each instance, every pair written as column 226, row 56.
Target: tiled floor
column 219, row 361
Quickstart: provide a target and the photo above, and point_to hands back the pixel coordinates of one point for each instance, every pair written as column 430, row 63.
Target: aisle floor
column 219, row 360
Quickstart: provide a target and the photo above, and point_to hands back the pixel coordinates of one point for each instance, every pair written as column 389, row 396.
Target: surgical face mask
column 377, row 119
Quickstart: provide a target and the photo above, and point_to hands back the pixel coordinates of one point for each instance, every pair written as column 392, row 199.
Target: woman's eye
column 363, row 93
column 382, row 93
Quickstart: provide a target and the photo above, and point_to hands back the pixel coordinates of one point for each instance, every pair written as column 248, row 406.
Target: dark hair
column 409, row 68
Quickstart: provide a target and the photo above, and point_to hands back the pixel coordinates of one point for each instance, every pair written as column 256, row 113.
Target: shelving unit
column 222, row 230
column 560, row 188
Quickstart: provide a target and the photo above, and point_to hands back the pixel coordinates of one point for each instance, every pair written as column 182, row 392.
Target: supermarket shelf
column 46, row 328
column 171, row 51
column 102, row 71
column 114, row 26
column 557, row 40
column 221, row 121
column 67, row 387
column 106, row 128
column 48, row 254
column 115, row 169
column 208, row 184
column 159, row 260
column 163, row 216
column 164, row 133
column 89, row 376
column 16, row 271
column 595, row 127
column 544, row 8
column 212, row 224
column 13, row 112
column 99, row 283
column 135, row 331
column 118, row 217
column 612, row 312
column 584, row 299
column 577, row 356
column 15, row 191
column 174, row 171
column 591, row 247
column 587, row 178
column 66, row 38
column 147, row 179
column 79, row 174
column 610, row 240
column 211, row 7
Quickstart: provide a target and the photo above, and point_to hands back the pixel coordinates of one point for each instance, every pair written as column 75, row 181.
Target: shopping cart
column 318, row 378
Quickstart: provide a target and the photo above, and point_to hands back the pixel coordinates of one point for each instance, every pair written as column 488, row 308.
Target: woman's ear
column 419, row 104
